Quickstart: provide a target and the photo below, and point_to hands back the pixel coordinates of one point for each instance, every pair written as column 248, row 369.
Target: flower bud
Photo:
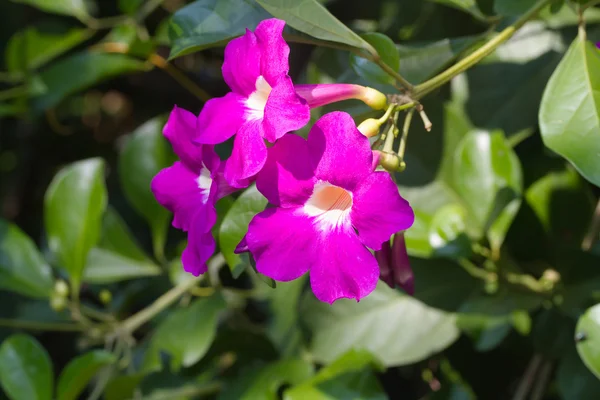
column 61, row 288
column 317, row 95
column 105, row 296
column 391, row 162
column 394, row 265
column 369, row 127
column 374, row 99
column 58, row 303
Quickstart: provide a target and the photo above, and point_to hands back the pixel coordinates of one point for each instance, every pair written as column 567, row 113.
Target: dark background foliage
column 504, row 252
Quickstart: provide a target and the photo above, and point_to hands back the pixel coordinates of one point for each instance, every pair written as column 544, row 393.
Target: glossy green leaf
column 80, row 71
column 573, row 131
column 587, row 335
column 488, row 177
column 422, row 61
column 284, row 330
column 206, row 23
column 235, row 226
column 25, row 369
column 117, row 238
column 75, row 8
column 32, row 48
column 469, row 6
column 375, row 324
column 264, row 383
column 386, row 49
column 74, row 204
column 513, row 7
column 80, row 371
column 447, row 232
column 312, row 18
column 349, row 376
column 186, row 334
column 22, row 268
column 145, row 153
column 104, row 266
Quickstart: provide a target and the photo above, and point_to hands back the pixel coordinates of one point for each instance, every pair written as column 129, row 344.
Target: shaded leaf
column 469, row 6
column 25, row 369
column 386, row 49
column 80, row 371
column 587, row 335
column 206, row 23
column 376, row 324
column 75, row 8
column 105, row 266
column 74, row 204
column 186, row 334
column 570, row 110
column 22, row 267
column 145, row 153
column 235, row 226
column 32, row 48
column 513, row 7
column 310, row 17
column 574, row 380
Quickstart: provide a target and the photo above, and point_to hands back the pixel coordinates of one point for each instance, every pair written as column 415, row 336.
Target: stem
column 405, row 129
column 488, row 48
column 180, row 77
column 135, row 321
column 528, row 378
column 41, row 326
column 477, row 272
column 147, row 9
column 527, row 281
column 388, row 70
column 592, row 234
column 542, row 382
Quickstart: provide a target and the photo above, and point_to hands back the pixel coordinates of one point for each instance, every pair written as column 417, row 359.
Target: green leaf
column 573, row 131
column 117, row 238
column 422, row 61
column 123, row 386
column 284, row 330
column 74, row 204
column 145, row 153
column 31, row 48
column 513, row 8
column 587, row 335
column 446, row 232
column 22, row 268
column 488, row 177
column 386, row 49
column 104, row 266
column 80, row 371
column 376, row 324
column 574, row 380
column 235, row 227
column 25, row 369
column 264, row 383
column 186, row 334
column 80, row 71
column 75, row 8
column 469, row 6
column 129, row 6
column 206, row 23
column 310, row 17
column 349, row 376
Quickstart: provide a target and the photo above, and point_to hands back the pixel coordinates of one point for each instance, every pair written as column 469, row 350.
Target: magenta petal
column 200, row 247
column 287, row 177
column 274, row 50
column 219, row 119
column 241, row 66
column 341, row 154
column 402, row 272
column 378, row 210
column 283, row 243
column 241, row 247
column 180, row 130
column 176, row 189
column 384, row 259
column 248, row 156
column 344, row 268
column 285, row 111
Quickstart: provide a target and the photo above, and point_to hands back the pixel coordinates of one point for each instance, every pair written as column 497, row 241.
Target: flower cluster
column 330, row 204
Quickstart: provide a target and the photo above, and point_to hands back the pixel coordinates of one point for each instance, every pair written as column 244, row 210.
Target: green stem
column 488, row 48
column 592, row 234
column 41, row 326
column 477, row 272
column 405, row 129
column 135, row 321
column 147, row 9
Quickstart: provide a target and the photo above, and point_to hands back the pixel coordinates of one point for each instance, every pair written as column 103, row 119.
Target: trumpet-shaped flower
column 190, row 189
column 331, row 206
column 262, row 104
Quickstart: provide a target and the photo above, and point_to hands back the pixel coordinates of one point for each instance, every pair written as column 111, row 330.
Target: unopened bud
column 105, row 296
column 58, row 303
column 61, row 288
column 391, row 162
column 374, row 99
column 369, row 127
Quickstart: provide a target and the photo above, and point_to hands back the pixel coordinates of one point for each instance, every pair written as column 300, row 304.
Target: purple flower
column 394, row 264
column 318, row 95
column 190, row 188
column 262, row 104
column 330, row 206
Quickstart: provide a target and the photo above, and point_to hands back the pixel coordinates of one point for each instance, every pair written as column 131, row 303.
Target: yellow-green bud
column 105, row 296
column 374, row 99
column 369, row 127
column 61, row 288
column 391, row 162
column 58, row 303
